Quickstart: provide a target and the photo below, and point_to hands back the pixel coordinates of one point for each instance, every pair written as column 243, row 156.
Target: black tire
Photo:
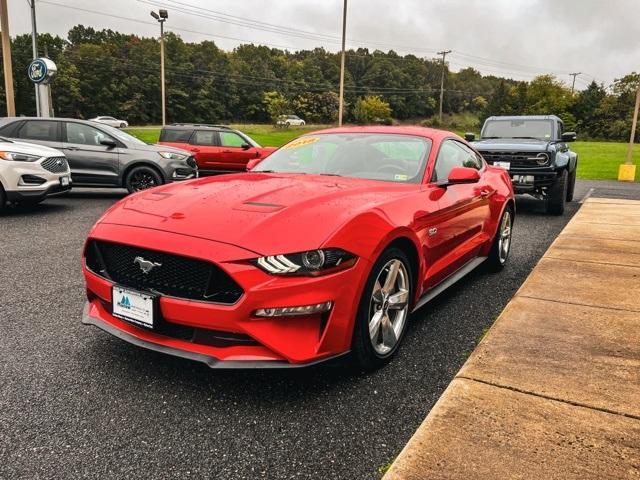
column 497, row 258
column 123, row 125
column 364, row 356
column 142, row 178
column 3, row 199
column 557, row 194
column 571, row 188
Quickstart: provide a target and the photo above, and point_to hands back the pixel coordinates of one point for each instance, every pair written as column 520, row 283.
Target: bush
column 372, row 109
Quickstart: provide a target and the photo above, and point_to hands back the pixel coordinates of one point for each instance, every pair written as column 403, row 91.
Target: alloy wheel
column 142, row 180
column 504, row 240
column 389, row 306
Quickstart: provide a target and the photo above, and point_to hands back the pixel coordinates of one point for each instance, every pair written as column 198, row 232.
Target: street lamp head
column 155, row 15
column 163, row 14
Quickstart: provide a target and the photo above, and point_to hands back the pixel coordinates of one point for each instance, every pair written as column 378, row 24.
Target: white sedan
column 290, row 120
column 111, row 121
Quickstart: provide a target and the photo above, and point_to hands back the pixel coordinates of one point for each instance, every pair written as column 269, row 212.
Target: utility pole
column 34, row 47
column 6, row 59
column 444, row 54
column 344, row 32
column 161, row 17
column 627, row 171
column 573, row 85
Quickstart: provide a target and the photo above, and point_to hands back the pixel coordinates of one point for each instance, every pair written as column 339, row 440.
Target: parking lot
column 76, row 402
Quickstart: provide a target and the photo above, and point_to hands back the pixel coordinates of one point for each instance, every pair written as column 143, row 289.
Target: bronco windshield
column 386, row 157
column 539, row 129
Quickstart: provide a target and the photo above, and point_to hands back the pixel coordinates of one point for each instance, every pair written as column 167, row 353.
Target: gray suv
column 103, row 156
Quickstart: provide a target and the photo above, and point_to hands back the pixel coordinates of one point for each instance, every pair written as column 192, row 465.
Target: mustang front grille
column 518, row 159
column 55, row 164
column 166, row 274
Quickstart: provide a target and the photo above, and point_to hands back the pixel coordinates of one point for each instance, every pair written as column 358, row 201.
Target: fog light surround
column 294, row 311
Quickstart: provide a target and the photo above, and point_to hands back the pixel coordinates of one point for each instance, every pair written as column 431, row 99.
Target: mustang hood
column 265, row 213
column 511, row 145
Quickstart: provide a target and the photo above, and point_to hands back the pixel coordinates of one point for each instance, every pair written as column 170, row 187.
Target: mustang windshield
column 540, row 129
column 387, row 157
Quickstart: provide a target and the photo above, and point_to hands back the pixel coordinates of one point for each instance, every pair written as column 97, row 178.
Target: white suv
column 29, row 173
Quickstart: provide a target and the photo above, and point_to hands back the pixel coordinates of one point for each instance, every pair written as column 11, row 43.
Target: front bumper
column 265, row 342
column 527, row 180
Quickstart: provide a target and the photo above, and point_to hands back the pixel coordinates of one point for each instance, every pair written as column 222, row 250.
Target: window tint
column 175, row 135
column 204, row 137
column 39, row 130
column 230, row 139
column 85, row 135
column 450, row 156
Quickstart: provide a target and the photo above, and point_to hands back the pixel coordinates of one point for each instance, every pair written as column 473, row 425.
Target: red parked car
column 216, row 148
column 323, row 248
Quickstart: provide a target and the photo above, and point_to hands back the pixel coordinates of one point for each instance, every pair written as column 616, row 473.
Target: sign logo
column 37, row 70
column 125, row 302
column 146, row 265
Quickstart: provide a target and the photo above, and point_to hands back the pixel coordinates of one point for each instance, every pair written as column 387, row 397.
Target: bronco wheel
column 572, row 185
column 3, row 199
column 383, row 311
column 141, row 178
column 502, row 242
column 557, row 194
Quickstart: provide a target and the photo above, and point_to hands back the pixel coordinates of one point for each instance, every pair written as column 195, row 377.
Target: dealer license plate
column 505, row 165
column 65, row 181
column 135, row 307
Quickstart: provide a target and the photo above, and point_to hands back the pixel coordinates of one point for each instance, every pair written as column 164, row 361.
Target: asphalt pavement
column 78, row 403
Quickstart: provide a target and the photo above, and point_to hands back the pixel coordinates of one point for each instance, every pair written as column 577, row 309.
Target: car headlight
column 310, row 263
column 173, row 155
column 19, row 157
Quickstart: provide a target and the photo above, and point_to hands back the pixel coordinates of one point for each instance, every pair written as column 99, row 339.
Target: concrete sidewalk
column 553, row 390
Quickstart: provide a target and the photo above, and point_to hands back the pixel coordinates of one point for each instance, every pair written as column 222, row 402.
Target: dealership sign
column 42, row 71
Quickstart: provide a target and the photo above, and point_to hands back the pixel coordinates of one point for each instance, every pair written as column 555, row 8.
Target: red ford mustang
column 323, row 248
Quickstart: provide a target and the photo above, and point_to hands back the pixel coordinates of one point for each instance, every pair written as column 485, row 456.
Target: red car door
column 458, row 232
column 236, row 150
column 207, row 151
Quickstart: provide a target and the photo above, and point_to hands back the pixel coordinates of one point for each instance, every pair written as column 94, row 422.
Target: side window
column 85, row 135
column 39, row 130
column 204, row 137
column 559, row 130
column 230, row 139
column 450, row 156
column 471, row 158
column 175, row 135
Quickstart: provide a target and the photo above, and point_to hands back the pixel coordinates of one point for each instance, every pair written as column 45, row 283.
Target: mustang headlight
column 18, row 157
column 172, row 155
column 311, row 263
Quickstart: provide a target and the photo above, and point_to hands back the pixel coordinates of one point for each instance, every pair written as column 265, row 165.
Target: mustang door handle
column 485, row 192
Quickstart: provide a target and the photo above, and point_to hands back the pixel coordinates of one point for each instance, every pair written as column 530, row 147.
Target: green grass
column 265, row 135
column 600, row 160
column 597, row 160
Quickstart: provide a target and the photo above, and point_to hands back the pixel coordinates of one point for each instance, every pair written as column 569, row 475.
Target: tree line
column 103, row 72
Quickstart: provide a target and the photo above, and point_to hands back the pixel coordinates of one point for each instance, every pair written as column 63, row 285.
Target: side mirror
column 245, row 146
column 251, row 164
column 461, row 175
column 469, row 137
column 108, row 143
column 569, row 136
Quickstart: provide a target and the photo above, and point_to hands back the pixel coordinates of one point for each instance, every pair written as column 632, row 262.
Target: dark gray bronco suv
column 535, row 152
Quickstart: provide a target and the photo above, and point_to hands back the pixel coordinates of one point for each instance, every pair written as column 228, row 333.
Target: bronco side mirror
column 569, row 136
column 469, row 137
column 460, row 175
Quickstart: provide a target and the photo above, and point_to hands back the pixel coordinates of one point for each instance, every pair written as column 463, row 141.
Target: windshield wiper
column 526, row 138
column 330, row 174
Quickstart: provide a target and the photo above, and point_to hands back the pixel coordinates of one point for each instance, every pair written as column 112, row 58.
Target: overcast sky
column 513, row 38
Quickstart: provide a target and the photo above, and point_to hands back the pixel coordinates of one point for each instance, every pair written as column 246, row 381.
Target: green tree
column 276, row 104
column 370, row 109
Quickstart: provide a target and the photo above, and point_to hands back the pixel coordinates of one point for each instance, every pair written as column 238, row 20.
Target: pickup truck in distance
column 535, row 152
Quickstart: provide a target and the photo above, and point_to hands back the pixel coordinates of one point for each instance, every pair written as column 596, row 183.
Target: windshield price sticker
column 301, row 142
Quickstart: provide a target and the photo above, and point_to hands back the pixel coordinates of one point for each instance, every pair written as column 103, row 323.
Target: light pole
column 6, row 59
column 573, row 84
column 34, row 47
column 161, row 17
column 344, row 31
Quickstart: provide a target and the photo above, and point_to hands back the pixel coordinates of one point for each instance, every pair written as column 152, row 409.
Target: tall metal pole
column 444, row 54
column 634, row 124
column 344, row 33
column 573, row 85
column 34, row 46
column 164, row 115
column 6, row 59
